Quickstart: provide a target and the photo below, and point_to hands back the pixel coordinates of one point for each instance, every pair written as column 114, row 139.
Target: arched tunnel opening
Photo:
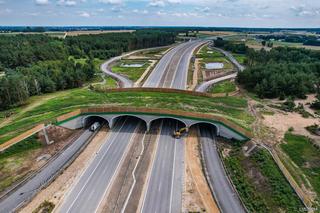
column 89, row 121
column 169, row 126
column 205, row 130
column 122, row 120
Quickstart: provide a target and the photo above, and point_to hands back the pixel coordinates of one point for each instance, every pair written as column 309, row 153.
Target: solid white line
column 84, row 185
column 149, row 177
column 133, row 175
column 174, row 163
column 118, row 167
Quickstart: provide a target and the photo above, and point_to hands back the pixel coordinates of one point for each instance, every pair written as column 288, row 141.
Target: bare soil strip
column 197, row 196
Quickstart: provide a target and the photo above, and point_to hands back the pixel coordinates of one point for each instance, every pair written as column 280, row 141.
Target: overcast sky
column 229, row 13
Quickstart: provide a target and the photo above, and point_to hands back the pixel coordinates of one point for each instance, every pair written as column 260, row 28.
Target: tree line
column 36, row 64
column 279, row 73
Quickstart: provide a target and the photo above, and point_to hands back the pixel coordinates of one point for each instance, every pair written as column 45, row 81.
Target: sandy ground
column 197, row 196
column 281, row 122
column 196, row 74
column 59, row 187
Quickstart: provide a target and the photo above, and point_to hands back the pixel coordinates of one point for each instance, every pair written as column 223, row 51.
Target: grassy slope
column 223, row 87
column 306, row 156
column 232, row 108
column 13, row 160
column 261, row 184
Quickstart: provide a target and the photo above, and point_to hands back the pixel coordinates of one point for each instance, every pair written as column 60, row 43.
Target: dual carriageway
column 164, row 183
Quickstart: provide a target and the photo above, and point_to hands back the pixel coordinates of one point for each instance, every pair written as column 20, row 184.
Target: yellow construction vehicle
column 180, row 132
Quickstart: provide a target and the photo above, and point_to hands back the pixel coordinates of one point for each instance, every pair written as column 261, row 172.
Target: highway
column 172, row 69
column 164, row 189
column 89, row 191
column 26, row 191
column 225, row 195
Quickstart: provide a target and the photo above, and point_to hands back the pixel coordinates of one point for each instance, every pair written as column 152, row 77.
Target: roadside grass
column 232, row 108
column 241, row 58
column 110, row 83
column 306, row 156
column 223, row 87
column 205, row 52
column 260, row 183
column 14, row 160
column 133, row 73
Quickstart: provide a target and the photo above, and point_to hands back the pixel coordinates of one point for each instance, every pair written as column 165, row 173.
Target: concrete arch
column 167, row 117
column 215, row 126
column 113, row 119
column 86, row 119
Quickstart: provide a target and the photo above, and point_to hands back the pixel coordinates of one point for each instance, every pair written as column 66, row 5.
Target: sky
column 213, row 13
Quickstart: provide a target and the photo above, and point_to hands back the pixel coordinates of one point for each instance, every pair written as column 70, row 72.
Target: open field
column 232, row 108
column 95, row 32
column 133, row 73
column 260, row 183
column 256, row 44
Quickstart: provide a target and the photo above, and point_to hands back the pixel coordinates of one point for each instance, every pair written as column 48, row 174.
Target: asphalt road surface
column 164, row 189
column 105, row 67
column 31, row 187
column 172, row 69
column 91, row 188
column 223, row 191
column 203, row 87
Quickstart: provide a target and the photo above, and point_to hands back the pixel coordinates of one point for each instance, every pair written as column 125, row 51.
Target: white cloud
column 42, row 2
column 111, row 1
column 157, row 3
column 67, row 2
column 84, row 14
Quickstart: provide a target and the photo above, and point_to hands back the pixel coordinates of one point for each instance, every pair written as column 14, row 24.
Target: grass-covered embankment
column 232, row 108
column 15, row 160
column 223, row 87
column 306, row 156
column 260, row 183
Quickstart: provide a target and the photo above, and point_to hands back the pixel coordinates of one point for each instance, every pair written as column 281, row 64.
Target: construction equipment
column 180, row 132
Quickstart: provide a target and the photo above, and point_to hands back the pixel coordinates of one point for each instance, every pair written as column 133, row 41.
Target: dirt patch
column 281, row 122
column 197, row 196
column 59, row 187
column 55, row 134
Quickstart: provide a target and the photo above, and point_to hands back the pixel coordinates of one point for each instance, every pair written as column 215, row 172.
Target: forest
column 36, row 64
column 279, row 73
column 304, row 39
column 282, row 72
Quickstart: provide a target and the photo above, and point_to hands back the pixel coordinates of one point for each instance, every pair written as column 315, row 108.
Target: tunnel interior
column 129, row 118
column 205, row 129
column 92, row 119
column 168, row 125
